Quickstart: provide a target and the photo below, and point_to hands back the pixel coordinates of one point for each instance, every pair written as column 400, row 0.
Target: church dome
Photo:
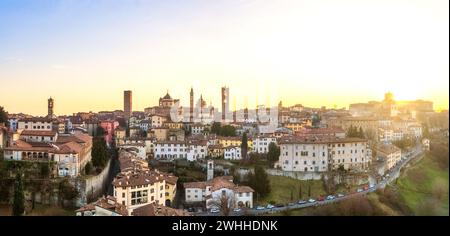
column 167, row 96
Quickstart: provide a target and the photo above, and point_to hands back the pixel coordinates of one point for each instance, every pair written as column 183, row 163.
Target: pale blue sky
column 84, row 53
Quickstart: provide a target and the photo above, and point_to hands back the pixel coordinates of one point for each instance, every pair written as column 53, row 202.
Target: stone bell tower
column 210, row 170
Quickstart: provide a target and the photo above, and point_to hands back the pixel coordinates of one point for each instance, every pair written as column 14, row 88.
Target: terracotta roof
column 216, row 183
column 38, row 133
column 108, row 203
column 218, row 146
column 67, row 138
column 243, row 189
column 229, row 138
column 387, row 148
column 318, row 140
column 142, row 177
column 36, row 119
column 158, row 210
column 128, row 161
column 70, row 147
column 201, row 185
column 197, row 142
column 320, row 131
column 170, row 142
column 219, row 183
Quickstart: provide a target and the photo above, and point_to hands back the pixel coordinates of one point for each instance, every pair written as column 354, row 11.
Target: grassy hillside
column 424, row 188
column 281, row 188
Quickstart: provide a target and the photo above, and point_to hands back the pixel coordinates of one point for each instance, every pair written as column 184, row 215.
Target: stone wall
column 295, row 174
column 92, row 187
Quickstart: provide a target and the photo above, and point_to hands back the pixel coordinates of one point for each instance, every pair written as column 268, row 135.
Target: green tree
column 244, row 146
column 3, row 116
column 274, row 153
column 309, row 189
column 100, row 132
column 215, row 128
column 99, row 152
column 353, row 132
column 360, row 133
column 45, row 170
column 19, row 197
column 67, row 191
column 228, row 131
column 88, row 168
column 300, row 193
column 316, row 120
column 259, row 181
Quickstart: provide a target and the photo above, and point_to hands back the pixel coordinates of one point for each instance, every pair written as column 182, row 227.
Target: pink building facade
column 109, row 126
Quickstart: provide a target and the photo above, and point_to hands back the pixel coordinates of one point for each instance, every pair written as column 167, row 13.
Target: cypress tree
column 19, row 198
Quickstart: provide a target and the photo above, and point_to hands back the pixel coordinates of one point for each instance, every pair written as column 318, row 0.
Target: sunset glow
column 333, row 53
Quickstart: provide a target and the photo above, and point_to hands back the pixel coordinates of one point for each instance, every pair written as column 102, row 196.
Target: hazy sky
column 84, row 53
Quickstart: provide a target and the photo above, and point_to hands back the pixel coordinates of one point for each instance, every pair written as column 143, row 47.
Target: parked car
column 279, row 205
column 291, row 204
column 237, row 209
column 215, row 210
column 340, row 195
column 330, row 197
column 320, row 199
column 387, row 175
column 359, row 190
column 366, row 187
column 270, row 206
column 372, row 186
column 302, row 202
column 260, row 208
column 191, row 209
column 311, row 200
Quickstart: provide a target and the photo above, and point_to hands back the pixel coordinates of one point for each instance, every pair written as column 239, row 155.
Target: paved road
column 393, row 174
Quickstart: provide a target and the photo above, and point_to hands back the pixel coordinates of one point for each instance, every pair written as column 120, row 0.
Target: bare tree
column 225, row 203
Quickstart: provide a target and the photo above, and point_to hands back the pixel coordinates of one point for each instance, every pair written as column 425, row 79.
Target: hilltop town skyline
column 40, row 109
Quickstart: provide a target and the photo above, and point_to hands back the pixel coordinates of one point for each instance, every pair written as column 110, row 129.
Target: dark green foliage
column 45, row 170
column 215, row 128
column 19, row 198
column 3, row 116
column 259, row 181
column 404, row 143
column 88, row 168
column 226, row 130
column 99, row 153
column 300, row 193
column 316, row 120
column 274, row 153
column 67, row 191
column 354, row 132
column 244, row 146
column 100, row 132
column 309, row 189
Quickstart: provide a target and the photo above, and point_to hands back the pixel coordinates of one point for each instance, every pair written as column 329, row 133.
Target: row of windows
column 304, row 162
column 171, row 144
column 195, row 190
column 171, row 156
column 169, row 150
column 351, row 160
column 42, row 138
column 316, row 168
column 305, row 153
column 343, row 152
column 304, row 147
column 38, row 127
